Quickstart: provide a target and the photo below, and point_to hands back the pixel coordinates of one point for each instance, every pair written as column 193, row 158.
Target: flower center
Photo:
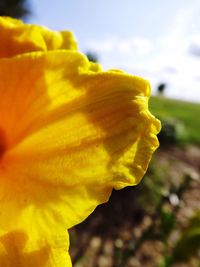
column 2, row 142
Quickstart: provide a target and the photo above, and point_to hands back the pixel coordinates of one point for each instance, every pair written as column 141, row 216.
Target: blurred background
column 156, row 223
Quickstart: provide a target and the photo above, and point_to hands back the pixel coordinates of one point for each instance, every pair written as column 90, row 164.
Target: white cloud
column 151, row 58
column 124, row 47
column 101, row 46
column 137, row 45
column 142, row 45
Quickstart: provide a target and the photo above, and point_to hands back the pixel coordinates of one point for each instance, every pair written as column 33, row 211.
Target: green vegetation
column 189, row 242
column 185, row 114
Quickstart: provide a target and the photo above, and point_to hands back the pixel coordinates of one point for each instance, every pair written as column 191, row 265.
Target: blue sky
column 159, row 40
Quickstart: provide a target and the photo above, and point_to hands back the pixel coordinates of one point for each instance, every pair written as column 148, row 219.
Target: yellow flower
column 69, row 134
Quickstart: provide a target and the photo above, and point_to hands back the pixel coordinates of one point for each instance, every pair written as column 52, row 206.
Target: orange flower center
column 2, row 142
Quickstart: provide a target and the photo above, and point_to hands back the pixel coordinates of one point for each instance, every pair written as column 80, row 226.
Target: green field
column 184, row 113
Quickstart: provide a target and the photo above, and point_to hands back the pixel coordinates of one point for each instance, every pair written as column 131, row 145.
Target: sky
column 158, row 40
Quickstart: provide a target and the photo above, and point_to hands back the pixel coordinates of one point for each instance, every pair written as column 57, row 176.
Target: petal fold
column 80, row 133
column 18, row 38
column 17, row 249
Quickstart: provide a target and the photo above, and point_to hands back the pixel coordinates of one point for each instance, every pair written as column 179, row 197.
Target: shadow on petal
column 117, row 104
column 12, row 252
column 80, row 134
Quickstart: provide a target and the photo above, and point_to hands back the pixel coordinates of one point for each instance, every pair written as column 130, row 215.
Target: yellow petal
column 79, row 133
column 19, row 38
column 17, row 249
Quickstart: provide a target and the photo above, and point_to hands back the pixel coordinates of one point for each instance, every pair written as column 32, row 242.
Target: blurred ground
column 128, row 230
